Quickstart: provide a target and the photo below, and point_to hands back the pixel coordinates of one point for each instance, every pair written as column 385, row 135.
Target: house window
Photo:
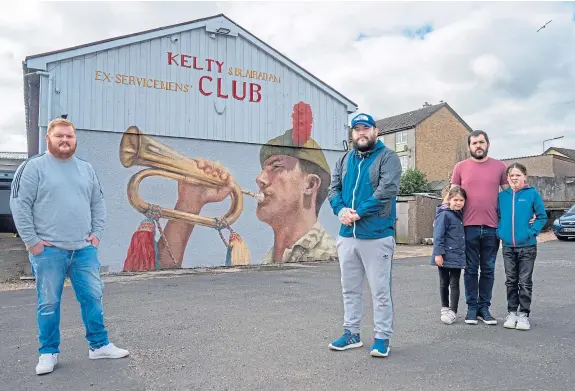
column 400, row 140
column 404, row 162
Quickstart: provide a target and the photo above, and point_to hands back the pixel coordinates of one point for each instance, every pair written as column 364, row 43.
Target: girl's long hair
column 456, row 190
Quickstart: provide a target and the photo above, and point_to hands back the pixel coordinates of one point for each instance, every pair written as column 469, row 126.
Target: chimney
column 426, row 104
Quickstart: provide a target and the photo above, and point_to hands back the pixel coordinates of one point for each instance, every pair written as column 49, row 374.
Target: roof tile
column 406, row 120
column 14, row 155
column 566, row 151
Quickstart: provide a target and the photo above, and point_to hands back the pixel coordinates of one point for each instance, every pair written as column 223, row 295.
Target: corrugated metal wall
column 125, row 95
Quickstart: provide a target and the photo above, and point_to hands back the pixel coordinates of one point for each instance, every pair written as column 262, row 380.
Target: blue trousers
column 481, row 247
column 50, row 269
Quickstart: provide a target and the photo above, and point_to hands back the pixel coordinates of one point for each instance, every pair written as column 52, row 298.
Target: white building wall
column 149, row 83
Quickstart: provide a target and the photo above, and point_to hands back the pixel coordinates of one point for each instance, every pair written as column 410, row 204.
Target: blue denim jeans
column 481, row 247
column 50, row 269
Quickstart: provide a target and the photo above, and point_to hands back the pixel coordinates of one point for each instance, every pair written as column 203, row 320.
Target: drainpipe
column 50, row 89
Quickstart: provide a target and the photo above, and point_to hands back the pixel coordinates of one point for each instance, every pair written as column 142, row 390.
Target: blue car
column 564, row 226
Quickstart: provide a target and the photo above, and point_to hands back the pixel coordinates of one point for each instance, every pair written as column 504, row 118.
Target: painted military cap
column 297, row 141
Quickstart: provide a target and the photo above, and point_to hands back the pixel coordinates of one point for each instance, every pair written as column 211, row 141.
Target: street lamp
column 549, row 139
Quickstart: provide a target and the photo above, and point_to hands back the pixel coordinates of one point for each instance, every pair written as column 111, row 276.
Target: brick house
column 554, row 162
column 432, row 139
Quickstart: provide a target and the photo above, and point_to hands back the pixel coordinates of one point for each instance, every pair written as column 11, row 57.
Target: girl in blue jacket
column 519, row 241
column 449, row 251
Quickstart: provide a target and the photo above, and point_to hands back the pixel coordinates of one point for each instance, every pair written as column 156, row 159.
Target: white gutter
column 50, row 88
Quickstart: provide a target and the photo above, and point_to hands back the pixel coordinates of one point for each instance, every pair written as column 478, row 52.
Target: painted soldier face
column 285, row 186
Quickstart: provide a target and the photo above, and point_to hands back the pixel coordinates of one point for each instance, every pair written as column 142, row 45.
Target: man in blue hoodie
column 362, row 194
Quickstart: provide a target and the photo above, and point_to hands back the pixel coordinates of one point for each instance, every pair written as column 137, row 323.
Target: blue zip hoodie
column 515, row 209
column 367, row 182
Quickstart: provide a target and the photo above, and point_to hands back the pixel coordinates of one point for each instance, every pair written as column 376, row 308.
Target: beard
column 56, row 152
column 479, row 157
column 364, row 147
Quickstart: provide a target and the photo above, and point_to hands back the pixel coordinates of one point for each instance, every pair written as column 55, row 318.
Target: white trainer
column 448, row 317
column 108, row 351
column 523, row 322
column 46, row 363
column 510, row 321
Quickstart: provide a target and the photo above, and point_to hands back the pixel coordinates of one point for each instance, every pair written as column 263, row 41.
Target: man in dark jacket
column 362, row 194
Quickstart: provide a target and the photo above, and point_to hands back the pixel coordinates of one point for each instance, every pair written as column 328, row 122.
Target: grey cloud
column 4, row 55
column 80, row 23
column 13, row 133
column 125, row 18
column 10, row 82
column 13, row 143
column 16, row 32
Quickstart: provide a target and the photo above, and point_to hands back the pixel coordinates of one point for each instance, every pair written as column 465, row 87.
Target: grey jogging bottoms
column 359, row 258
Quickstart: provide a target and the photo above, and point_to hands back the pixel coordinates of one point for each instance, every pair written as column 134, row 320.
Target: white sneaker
column 443, row 312
column 46, row 363
column 523, row 322
column 448, row 317
column 108, row 351
column 510, row 321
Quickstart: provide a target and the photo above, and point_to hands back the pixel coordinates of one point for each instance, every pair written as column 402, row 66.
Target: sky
column 485, row 59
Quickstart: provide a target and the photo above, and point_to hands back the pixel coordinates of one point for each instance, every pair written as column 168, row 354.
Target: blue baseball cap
column 364, row 119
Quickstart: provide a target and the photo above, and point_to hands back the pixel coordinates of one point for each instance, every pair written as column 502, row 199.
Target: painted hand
column 439, row 260
column 94, row 240
column 194, row 194
column 39, row 247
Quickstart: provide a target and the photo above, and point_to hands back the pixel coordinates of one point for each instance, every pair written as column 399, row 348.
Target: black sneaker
column 484, row 315
column 471, row 317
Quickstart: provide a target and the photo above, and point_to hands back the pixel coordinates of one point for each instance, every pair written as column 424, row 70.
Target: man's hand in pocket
column 94, row 240
column 39, row 247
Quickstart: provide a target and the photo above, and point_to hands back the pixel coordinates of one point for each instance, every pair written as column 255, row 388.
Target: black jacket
column 449, row 237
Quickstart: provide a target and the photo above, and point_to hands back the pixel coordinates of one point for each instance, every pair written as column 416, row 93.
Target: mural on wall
column 292, row 186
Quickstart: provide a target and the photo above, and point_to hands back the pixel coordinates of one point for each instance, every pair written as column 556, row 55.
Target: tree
column 413, row 181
